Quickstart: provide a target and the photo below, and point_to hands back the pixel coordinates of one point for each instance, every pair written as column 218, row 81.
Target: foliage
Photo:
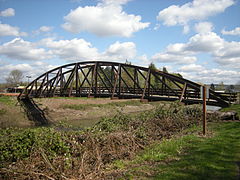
column 3, row 87
column 16, row 144
column 220, row 87
column 190, row 156
column 212, row 87
column 154, row 81
column 2, row 111
column 230, row 89
column 76, row 154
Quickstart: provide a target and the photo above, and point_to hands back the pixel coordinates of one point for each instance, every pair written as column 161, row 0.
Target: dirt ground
column 12, row 115
column 89, row 116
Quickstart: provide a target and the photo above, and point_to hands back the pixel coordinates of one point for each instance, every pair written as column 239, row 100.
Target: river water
column 213, row 108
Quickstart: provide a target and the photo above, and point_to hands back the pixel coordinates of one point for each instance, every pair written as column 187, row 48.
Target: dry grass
column 86, row 154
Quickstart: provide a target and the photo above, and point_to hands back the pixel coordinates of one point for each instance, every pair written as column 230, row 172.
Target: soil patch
column 55, row 111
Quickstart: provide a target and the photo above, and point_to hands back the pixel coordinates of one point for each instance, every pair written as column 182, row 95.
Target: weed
column 81, row 154
column 8, row 100
column 190, row 156
column 17, row 144
column 108, row 105
column 3, row 111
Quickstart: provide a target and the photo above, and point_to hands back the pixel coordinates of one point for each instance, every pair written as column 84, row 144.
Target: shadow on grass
column 33, row 112
column 212, row 158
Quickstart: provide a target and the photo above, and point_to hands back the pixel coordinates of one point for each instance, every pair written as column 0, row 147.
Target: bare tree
column 15, row 77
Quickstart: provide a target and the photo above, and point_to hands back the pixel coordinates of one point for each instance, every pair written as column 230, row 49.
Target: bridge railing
column 110, row 79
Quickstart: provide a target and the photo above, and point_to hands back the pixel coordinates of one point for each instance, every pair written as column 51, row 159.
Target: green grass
column 108, row 105
column 190, row 156
column 82, row 98
column 7, row 100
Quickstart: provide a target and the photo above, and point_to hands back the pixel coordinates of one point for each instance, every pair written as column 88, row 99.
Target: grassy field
column 8, row 100
column 11, row 115
column 30, row 153
column 162, row 143
column 216, row 156
column 76, row 111
column 108, row 105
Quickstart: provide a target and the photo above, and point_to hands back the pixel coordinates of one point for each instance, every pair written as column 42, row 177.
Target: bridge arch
column 116, row 80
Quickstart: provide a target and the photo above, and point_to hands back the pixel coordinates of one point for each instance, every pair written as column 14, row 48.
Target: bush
column 17, row 144
column 80, row 153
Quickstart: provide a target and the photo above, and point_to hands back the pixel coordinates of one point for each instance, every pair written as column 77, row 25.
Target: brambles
column 2, row 111
column 84, row 154
column 18, row 144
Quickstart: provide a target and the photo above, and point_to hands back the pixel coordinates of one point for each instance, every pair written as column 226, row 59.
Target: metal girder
column 111, row 79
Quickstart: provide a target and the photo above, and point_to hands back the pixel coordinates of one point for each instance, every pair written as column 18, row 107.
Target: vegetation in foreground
column 60, row 152
column 11, row 115
column 109, row 105
column 233, row 107
column 216, row 156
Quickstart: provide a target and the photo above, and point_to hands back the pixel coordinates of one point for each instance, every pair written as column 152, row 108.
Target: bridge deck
column 110, row 79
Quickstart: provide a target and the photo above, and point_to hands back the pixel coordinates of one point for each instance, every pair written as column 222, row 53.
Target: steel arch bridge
column 117, row 80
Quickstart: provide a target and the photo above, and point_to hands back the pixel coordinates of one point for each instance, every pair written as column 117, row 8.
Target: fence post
column 204, row 117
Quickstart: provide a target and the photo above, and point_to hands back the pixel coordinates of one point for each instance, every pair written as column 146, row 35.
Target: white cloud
column 120, row 51
column 6, row 69
column 105, row 19
column 223, row 52
column 207, row 42
column 79, row 49
column 203, row 27
column 235, row 31
column 143, row 60
column 229, row 54
column 23, row 50
column 115, row 2
column 192, row 68
column 195, row 10
column 7, row 12
column 74, row 49
column 7, row 30
column 43, row 29
column 186, row 29
column 213, row 76
column 33, row 70
column 166, row 57
column 177, row 49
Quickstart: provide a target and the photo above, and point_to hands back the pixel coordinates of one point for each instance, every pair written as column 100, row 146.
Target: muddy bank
column 89, row 114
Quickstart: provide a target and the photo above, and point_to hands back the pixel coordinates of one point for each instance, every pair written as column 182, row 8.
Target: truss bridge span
column 118, row 80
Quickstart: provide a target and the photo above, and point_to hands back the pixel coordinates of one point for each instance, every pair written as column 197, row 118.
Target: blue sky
column 199, row 39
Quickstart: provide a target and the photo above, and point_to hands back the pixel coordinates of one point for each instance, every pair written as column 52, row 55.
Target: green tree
column 212, row 87
column 165, row 70
column 221, row 86
column 154, row 81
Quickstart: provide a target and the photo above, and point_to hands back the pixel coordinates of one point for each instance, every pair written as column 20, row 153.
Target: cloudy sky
column 199, row 39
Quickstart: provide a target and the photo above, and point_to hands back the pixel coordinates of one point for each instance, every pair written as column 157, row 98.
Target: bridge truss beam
column 117, row 80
